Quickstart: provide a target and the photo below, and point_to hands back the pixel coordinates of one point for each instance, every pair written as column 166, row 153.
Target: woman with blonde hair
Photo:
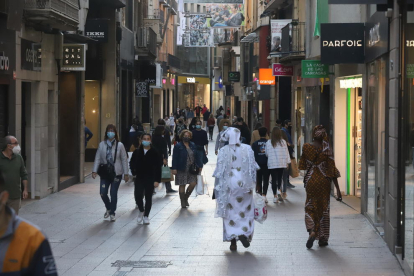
column 278, row 159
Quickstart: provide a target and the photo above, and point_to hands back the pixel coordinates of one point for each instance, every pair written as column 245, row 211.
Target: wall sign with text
column 74, row 56
column 282, row 70
column 314, row 69
column 97, row 29
column 342, row 43
column 234, row 76
column 266, row 76
column 376, row 36
column 31, row 55
column 409, row 51
column 4, row 62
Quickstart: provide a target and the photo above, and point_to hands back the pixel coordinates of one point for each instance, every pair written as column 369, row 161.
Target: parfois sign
column 282, row 71
column 342, row 43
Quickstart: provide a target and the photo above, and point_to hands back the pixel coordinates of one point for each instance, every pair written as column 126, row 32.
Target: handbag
column 260, row 208
column 293, row 168
column 106, row 171
column 200, row 185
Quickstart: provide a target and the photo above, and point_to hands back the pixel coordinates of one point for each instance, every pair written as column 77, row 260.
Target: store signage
column 74, row 57
column 357, row 2
column 350, row 83
column 314, row 69
column 234, row 76
column 141, row 89
column 97, row 29
column 266, row 76
column 282, row 70
column 220, row 82
column 342, row 43
column 31, row 55
column 409, row 50
column 191, row 80
column 376, row 36
column 4, row 62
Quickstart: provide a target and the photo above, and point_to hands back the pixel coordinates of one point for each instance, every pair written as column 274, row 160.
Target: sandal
column 310, row 241
column 243, row 239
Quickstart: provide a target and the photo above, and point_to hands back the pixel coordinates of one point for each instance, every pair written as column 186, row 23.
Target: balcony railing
column 53, row 12
column 147, row 40
column 293, row 41
column 173, row 7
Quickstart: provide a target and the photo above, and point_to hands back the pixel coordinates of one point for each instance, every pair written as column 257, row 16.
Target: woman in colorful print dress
column 235, row 182
column 317, row 159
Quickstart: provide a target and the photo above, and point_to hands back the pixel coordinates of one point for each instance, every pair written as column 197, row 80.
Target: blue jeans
column 104, row 188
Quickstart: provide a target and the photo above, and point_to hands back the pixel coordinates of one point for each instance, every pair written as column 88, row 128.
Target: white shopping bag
column 200, row 185
column 260, row 208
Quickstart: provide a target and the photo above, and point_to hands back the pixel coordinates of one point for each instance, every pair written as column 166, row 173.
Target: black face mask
column 186, row 139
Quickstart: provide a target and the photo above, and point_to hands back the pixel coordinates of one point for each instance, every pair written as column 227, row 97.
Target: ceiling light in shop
column 351, row 83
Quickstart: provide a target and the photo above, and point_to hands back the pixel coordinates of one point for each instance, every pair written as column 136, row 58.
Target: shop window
column 92, row 112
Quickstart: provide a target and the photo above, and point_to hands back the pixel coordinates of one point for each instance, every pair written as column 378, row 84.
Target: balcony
column 171, row 4
column 58, row 14
column 146, row 42
column 293, row 42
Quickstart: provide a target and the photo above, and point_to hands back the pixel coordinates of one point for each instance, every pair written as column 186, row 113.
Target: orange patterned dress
column 320, row 169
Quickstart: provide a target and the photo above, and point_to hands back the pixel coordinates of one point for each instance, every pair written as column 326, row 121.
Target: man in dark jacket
column 259, row 149
column 206, row 115
column 245, row 131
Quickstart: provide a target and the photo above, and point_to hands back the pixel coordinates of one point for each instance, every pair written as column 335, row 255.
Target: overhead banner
column 225, row 15
column 223, row 35
column 214, row 1
column 276, row 26
column 199, row 35
column 363, row 2
column 342, row 43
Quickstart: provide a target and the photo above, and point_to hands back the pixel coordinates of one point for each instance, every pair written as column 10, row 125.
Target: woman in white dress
column 236, row 180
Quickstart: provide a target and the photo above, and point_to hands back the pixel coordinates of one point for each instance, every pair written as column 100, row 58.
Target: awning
column 252, row 37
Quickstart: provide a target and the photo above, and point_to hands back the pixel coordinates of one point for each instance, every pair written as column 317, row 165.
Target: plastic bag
column 260, row 208
column 200, row 185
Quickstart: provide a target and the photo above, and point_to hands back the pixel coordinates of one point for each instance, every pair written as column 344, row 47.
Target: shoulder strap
column 116, row 150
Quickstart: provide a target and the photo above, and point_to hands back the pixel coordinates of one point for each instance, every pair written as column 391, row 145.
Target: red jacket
column 211, row 122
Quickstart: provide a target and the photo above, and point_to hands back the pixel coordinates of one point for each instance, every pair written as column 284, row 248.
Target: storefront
column 193, row 91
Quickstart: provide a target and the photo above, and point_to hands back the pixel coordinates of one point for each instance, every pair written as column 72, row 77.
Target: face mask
column 16, row 149
column 225, row 127
column 111, row 135
column 186, row 139
column 146, row 143
column 198, row 126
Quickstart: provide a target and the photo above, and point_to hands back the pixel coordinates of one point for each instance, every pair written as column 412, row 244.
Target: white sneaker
column 140, row 217
column 113, row 218
column 106, row 214
column 146, row 220
column 275, row 200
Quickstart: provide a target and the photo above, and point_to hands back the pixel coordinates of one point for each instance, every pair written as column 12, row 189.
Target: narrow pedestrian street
column 189, row 241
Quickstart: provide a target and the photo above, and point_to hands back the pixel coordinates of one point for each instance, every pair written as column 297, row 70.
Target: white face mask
column 16, row 149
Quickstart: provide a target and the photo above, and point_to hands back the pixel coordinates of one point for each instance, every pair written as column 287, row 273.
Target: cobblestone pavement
column 189, row 241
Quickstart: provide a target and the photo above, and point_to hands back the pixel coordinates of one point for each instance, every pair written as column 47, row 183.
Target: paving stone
column 84, row 243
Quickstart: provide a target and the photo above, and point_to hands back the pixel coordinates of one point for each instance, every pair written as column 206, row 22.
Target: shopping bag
column 166, row 174
column 260, row 208
column 293, row 168
column 200, row 185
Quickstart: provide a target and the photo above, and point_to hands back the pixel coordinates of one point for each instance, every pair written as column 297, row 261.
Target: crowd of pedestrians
column 247, row 163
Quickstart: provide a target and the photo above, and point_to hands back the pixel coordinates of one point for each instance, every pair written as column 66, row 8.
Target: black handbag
column 193, row 169
column 107, row 171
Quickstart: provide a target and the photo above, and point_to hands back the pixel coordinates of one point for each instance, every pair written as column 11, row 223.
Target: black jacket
column 167, row 137
column 159, row 143
column 146, row 166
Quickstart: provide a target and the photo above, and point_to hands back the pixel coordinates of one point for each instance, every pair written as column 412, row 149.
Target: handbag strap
column 116, row 150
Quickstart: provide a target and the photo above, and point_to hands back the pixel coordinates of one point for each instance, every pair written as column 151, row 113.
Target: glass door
column 375, row 146
column 358, row 143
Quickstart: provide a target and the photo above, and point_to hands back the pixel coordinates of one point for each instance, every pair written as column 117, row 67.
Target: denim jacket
column 179, row 161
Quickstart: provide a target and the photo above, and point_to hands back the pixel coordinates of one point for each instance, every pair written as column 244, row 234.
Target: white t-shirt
column 145, row 151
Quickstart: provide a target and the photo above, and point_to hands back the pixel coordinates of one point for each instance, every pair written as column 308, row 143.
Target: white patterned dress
column 235, row 182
